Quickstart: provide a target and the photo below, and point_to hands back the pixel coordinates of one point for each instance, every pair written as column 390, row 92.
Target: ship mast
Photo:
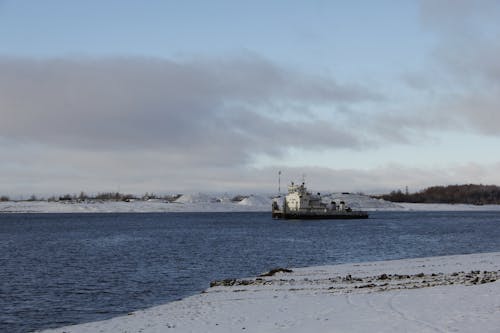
column 279, row 182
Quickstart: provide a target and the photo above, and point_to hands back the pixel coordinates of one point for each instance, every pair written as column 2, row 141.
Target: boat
column 301, row 204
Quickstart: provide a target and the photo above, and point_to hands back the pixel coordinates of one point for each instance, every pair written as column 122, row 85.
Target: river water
column 61, row 269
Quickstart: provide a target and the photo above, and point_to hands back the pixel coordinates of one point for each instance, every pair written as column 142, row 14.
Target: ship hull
column 316, row 216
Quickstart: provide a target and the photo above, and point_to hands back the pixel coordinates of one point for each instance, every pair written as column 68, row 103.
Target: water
column 60, row 269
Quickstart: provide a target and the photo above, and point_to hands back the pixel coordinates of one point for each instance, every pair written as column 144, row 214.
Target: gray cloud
column 204, row 110
column 460, row 87
column 463, row 81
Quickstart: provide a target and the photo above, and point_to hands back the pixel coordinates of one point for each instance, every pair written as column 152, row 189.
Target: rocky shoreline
column 349, row 283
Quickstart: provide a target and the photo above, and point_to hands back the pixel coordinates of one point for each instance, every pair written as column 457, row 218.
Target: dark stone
column 276, row 270
column 371, row 285
column 245, row 282
column 223, row 283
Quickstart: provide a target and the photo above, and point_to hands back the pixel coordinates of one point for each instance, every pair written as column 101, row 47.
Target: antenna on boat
column 303, row 178
column 279, row 182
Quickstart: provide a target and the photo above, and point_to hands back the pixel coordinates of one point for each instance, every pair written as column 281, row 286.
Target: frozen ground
column 440, row 294
column 186, row 203
column 213, row 203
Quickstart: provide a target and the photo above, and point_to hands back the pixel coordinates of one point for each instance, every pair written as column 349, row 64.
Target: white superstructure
column 299, row 199
column 300, row 203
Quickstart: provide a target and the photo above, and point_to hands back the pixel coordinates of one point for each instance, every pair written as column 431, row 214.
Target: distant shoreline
column 122, row 207
column 260, row 205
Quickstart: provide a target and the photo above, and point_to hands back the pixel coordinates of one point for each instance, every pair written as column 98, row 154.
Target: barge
column 301, row 204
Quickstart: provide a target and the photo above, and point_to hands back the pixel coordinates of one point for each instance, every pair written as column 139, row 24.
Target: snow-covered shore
column 440, row 294
column 186, row 203
column 213, row 203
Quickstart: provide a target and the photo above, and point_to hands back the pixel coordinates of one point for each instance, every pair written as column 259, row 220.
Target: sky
column 218, row 96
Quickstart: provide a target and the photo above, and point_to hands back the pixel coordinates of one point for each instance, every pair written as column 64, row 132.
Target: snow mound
column 256, row 200
column 199, row 198
column 361, row 201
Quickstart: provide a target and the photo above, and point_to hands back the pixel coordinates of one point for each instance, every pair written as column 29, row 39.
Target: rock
column 383, row 277
column 371, row 285
column 276, row 270
column 245, row 282
column 223, row 283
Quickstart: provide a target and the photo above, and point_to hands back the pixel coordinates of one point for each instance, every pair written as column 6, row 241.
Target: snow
column 256, row 201
column 361, row 202
column 196, row 198
column 186, row 203
column 438, row 294
column 446, row 207
column 202, row 202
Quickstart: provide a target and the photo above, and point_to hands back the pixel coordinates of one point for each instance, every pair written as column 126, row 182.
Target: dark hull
column 327, row 216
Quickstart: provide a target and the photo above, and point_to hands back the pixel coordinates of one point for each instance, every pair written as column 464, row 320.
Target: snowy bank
column 213, row 203
column 440, row 294
column 186, row 203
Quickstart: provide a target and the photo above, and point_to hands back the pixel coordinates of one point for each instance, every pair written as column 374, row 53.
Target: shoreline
column 457, row 293
column 35, row 207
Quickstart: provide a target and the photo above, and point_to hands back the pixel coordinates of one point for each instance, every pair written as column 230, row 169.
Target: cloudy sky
column 183, row 96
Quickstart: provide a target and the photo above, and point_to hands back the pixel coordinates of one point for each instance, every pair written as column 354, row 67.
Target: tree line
column 103, row 196
column 451, row 194
column 111, row 196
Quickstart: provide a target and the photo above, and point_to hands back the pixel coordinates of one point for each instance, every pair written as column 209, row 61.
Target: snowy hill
column 360, row 201
column 256, row 201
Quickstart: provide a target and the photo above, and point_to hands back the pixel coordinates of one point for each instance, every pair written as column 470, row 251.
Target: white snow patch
column 361, row 202
column 196, row 198
column 257, row 201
